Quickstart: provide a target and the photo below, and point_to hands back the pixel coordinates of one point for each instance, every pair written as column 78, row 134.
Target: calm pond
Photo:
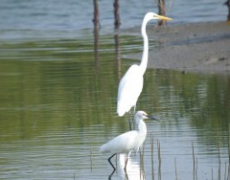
column 58, row 104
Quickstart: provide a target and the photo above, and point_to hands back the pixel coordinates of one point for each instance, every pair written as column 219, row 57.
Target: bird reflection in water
column 133, row 170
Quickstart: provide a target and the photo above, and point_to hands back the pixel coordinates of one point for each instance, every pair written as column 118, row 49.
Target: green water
column 58, row 105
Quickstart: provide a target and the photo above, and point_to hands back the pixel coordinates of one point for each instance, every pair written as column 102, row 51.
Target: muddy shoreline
column 200, row 47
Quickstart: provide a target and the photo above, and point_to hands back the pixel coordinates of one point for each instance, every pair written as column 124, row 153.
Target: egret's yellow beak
column 163, row 18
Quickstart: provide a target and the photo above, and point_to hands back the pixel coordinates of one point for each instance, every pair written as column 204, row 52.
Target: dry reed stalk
column 194, row 163
column 196, row 169
column 212, row 173
column 219, row 169
column 159, row 159
column 152, row 155
column 116, row 162
column 228, row 151
column 91, row 161
column 175, row 169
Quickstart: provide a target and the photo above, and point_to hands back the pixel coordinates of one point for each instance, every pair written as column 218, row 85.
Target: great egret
column 131, row 84
column 126, row 142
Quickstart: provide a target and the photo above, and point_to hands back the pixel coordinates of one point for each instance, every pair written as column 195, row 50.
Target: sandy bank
column 203, row 47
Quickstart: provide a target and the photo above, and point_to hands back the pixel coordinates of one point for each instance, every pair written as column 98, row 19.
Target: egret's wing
column 121, row 144
column 129, row 89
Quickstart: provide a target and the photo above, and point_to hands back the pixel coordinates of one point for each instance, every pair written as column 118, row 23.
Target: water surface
column 56, row 18
column 58, row 104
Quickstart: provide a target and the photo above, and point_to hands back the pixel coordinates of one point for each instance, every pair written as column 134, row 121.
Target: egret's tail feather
column 121, row 109
column 121, row 113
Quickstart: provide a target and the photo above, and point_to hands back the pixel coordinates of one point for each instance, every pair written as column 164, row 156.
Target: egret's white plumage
column 131, row 140
column 130, row 88
column 131, row 84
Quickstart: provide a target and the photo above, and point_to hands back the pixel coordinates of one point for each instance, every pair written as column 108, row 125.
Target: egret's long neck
column 142, row 129
column 144, row 61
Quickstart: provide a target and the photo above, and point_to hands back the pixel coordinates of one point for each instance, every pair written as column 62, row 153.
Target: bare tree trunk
column 227, row 3
column 96, row 34
column 96, row 14
column 161, row 8
column 116, row 14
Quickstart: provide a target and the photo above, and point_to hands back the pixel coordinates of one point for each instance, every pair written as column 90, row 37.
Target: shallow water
column 56, row 18
column 58, row 104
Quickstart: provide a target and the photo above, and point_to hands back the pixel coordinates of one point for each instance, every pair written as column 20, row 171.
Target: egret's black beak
column 154, row 118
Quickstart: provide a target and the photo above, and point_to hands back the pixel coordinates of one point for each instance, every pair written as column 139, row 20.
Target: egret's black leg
column 126, row 162
column 131, row 124
column 111, row 162
column 110, row 176
column 133, row 120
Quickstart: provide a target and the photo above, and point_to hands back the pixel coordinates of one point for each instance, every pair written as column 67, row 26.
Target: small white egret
column 131, row 84
column 126, row 142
